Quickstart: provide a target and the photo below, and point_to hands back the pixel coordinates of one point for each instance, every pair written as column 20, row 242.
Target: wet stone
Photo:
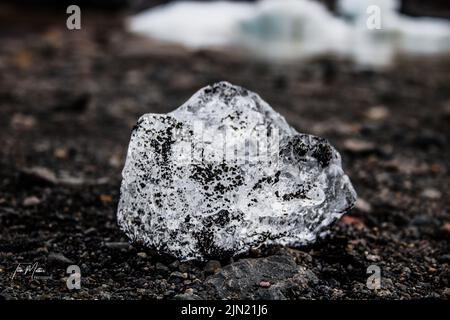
column 223, row 173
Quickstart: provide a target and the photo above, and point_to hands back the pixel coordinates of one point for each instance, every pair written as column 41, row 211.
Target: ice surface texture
column 224, row 172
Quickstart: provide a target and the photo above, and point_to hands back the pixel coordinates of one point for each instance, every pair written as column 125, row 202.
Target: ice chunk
column 225, row 172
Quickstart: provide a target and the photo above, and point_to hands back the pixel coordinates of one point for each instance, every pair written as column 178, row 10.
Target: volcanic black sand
column 68, row 102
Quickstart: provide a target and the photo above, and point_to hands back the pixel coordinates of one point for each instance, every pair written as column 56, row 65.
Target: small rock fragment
column 423, row 220
column 161, row 268
column 377, row 113
column 7, row 294
column 90, row 231
column 59, row 258
column 40, row 175
column 372, row 257
column 60, row 153
column 174, row 265
column 45, row 176
column 358, row 146
column 106, row 198
column 117, row 245
column 446, row 227
column 23, row 121
column 354, row 221
column 186, row 296
column 179, row 275
column 212, row 266
column 445, row 258
column 142, row 254
column 431, row 193
column 183, row 267
column 31, row 201
column 363, row 205
column 243, row 279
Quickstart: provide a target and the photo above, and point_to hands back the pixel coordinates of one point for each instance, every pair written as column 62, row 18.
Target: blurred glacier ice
column 193, row 23
column 291, row 29
column 399, row 34
column 353, row 9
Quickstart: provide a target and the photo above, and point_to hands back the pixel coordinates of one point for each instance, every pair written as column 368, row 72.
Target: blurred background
column 69, row 99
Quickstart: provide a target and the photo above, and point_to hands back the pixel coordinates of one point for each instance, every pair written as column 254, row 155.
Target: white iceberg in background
column 424, row 35
column 294, row 28
column 372, row 47
column 192, row 23
column 288, row 28
column 398, row 33
column 291, row 29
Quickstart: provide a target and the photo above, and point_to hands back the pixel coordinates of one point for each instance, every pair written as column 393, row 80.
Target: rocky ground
column 68, row 101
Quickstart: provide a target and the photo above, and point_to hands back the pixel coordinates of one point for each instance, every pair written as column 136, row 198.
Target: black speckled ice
column 224, row 172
